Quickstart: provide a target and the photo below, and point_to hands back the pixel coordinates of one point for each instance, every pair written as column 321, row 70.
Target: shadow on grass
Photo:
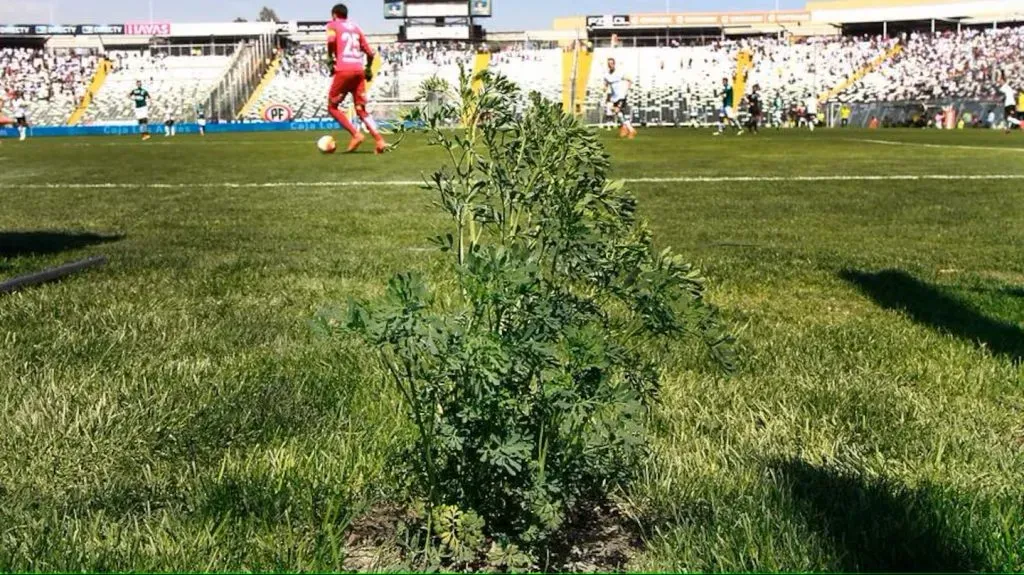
column 16, row 244
column 1003, row 291
column 1015, row 292
column 876, row 525
column 258, row 412
column 926, row 304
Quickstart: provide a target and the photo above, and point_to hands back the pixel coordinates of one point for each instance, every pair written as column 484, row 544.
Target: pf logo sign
column 277, row 113
column 608, row 21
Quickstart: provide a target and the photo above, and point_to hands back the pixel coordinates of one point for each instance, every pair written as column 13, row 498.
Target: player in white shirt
column 21, row 117
column 1009, row 104
column 811, row 111
column 608, row 122
column 616, row 87
column 169, row 128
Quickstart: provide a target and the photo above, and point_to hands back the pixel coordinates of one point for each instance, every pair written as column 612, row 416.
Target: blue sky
column 508, row 14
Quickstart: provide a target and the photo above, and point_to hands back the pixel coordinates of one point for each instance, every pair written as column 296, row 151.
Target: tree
column 239, row 19
column 267, row 14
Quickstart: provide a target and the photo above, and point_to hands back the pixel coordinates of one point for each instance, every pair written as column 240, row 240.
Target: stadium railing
column 244, row 74
column 675, row 113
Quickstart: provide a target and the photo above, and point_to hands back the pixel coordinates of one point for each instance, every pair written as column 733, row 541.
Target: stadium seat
column 52, row 83
column 175, row 82
column 533, row 70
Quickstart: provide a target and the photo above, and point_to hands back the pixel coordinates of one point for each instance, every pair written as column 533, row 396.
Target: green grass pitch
column 174, row 410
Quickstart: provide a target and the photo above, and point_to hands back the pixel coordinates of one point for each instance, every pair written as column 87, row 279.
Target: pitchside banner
column 128, row 29
column 323, row 125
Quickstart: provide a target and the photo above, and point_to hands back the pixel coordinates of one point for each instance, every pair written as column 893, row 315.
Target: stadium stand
column 414, row 63
column 947, row 65
column 301, row 84
column 671, row 82
column 664, row 76
column 534, row 70
column 690, row 76
column 51, row 83
column 303, row 79
column 796, row 71
column 678, row 77
column 175, row 82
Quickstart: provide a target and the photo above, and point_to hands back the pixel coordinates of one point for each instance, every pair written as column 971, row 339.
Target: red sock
column 342, row 119
column 371, row 126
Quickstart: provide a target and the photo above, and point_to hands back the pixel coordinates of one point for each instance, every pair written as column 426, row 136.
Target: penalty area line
column 410, row 183
column 941, row 146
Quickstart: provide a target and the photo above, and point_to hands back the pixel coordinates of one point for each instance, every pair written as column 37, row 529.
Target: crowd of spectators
column 944, row 65
column 311, row 59
column 136, row 61
column 949, row 65
column 930, row 67
column 441, row 54
column 303, row 61
column 783, row 68
column 50, row 83
column 416, row 60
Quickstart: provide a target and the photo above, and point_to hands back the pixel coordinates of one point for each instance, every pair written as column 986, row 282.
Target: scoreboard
column 403, row 9
column 438, row 19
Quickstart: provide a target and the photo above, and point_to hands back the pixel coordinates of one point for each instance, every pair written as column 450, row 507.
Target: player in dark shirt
column 755, row 108
column 730, row 104
column 141, row 99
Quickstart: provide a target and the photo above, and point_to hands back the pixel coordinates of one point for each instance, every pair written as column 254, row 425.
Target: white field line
column 224, row 185
column 941, row 146
column 827, row 178
column 410, row 183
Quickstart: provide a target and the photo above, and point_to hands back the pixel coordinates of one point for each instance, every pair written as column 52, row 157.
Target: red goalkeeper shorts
column 346, row 83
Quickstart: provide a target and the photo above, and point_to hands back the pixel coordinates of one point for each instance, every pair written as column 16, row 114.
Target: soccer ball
column 327, row 145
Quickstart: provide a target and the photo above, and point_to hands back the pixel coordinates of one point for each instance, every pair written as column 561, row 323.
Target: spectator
column 52, row 84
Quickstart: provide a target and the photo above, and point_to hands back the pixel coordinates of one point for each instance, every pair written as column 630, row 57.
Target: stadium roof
column 818, row 17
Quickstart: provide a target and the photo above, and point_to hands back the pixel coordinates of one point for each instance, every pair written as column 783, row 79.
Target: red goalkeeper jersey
column 349, row 46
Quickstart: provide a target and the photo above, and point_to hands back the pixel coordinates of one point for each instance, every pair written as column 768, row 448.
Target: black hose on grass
column 52, row 274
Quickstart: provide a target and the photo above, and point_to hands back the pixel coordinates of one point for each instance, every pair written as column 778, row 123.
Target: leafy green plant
column 435, row 90
column 530, row 386
column 457, row 541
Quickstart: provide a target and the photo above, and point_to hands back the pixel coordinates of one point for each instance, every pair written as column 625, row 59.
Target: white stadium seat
column 175, row 82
